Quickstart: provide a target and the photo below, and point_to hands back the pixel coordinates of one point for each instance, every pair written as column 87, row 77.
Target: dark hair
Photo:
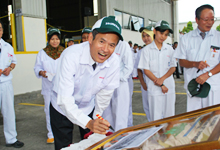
column 160, row 30
column 50, row 36
column 1, row 23
column 175, row 43
column 201, row 8
column 95, row 32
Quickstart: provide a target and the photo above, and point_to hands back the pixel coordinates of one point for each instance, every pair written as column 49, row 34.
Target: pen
column 97, row 115
column 199, row 69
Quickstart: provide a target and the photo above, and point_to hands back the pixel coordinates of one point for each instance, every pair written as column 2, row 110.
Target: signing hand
column 6, row 71
column 98, row 126
column 202, row 78
column 43, row 74
column 201, row 65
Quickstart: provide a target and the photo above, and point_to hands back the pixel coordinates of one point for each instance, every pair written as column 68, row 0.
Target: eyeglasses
column 206, row 20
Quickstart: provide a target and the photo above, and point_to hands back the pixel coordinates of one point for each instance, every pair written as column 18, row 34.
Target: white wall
column 35, row 33
column 24, row 79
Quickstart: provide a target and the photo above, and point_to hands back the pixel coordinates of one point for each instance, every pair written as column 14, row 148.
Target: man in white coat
column 87, row 76
column 7, row 64
column 119, row 111
column 198, row 52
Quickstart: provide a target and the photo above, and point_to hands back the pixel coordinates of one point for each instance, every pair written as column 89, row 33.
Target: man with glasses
column 198, row 52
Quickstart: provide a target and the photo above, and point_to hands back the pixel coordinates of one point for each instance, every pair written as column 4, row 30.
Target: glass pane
column 141, row 21
column 126, row 21
column 118, row 15
column 135, row 23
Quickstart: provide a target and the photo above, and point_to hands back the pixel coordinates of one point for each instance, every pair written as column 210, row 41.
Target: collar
column 154, row 46
column 197, row 32
column 86, row 57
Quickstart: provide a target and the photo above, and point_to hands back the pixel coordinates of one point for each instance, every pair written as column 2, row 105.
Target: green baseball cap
column 51, row 31
column 86, row 30
column 130, row 42
column 163, row 25
column 108, row 24
column 150, row 28
column 198, row 90
column 135, row 44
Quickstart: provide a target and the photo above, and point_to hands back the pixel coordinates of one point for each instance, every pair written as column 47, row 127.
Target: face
column 175, row 46
column 135, row 47
column 54, row 41
column 1, row 31
column 102, row 47
column 85, row 37
column 206, row 20
column 139, row 47
column 130, row 44
column 146, row 38
column 70, row 43
column 160, row 37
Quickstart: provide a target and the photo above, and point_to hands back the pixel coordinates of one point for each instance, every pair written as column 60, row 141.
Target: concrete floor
column 31, row 123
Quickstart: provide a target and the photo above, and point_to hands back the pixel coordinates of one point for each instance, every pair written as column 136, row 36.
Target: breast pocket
column 154, row 66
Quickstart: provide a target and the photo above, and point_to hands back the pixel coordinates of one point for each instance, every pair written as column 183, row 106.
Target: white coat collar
column 2, row 42
column 87, row 59
column 197, row 32
column 154, row 46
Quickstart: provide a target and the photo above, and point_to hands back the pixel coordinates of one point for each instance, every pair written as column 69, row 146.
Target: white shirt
column 158, row 62
column 76, row 84
column 6, row 58
column 137, row 62
column 48, row 64
column 193, row 48
column 126, row 60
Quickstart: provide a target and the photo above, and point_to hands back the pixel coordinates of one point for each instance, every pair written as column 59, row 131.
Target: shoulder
column 6, row 44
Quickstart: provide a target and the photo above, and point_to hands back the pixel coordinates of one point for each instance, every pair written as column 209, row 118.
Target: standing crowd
column 96, row 77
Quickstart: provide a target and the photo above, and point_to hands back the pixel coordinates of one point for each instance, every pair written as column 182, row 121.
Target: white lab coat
column 193, row 48
column 7, row 57
column 143, row 92
column 48, row 64
column 159, row 62
column 119, row 111
column 76, row 85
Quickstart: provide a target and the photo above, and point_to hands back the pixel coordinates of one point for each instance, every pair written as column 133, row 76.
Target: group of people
column 95, row 77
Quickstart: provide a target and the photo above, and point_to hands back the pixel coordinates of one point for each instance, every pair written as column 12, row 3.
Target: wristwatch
column 11, row 68
column 209, row 73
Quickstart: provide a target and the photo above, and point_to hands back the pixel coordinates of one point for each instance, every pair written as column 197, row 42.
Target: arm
column 141, row 78
column 204, row 77
column 190, row 64
column 127, row 60
column 160, row 81
column 7, row 71
column 38, row 67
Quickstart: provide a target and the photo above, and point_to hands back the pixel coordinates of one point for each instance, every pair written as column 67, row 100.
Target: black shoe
column 16, row 144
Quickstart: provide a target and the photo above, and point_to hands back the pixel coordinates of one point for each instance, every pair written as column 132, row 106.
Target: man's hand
column 202, row 78
column 159, row 81
column 6, row 71
column 201, row 65
column 164, row 89
column 98, row 126
column 144, row 86
column 43, row 74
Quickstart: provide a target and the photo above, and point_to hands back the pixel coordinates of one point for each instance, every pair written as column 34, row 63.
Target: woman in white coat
column 159, row 64
column 45, row 68
column 147, row 35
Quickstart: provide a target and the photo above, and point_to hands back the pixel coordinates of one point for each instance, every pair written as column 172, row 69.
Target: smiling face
column 1, row 30
column 54, row 41
column 146, row 38
column 206, row 20
column 160, row 37
column 102, row 47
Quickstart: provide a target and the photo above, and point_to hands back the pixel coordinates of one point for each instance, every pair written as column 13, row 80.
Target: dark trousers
column 62, row 129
